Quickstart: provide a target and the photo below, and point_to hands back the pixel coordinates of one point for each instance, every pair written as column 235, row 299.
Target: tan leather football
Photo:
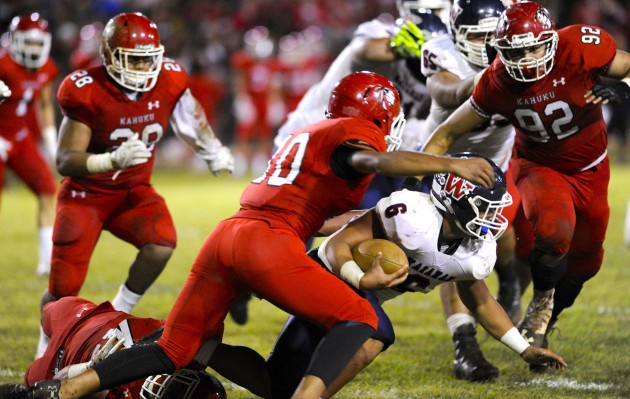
column 393, row 256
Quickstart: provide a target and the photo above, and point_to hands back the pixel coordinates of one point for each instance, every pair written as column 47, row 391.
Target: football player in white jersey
column 448, row 235
column 451, row 64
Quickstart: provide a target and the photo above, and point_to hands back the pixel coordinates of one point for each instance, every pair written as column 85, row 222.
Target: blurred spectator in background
column 86, row 54
column 257, row 101
column 28, row 119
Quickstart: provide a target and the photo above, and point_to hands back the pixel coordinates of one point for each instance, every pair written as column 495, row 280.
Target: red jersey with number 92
column 93, row 98
column 555, row 126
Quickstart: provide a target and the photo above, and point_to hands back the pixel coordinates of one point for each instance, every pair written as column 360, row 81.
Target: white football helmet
column 476, row 20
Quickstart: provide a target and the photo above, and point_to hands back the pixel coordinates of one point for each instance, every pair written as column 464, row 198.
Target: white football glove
column 217, row 156
column 5, row 92
column 111, row 346
column 130, row 153
column 5, row 147
column 222, row 159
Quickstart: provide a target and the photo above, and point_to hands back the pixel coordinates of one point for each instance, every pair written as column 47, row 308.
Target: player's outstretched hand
column 477, row 170
column 536, row 355
column 376, row 278
column 130, row 153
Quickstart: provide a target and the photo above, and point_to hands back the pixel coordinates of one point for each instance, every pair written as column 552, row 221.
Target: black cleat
column 469, row 363
column 238, row 310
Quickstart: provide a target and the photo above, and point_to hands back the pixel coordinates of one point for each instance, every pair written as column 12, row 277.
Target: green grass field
column 594, row 334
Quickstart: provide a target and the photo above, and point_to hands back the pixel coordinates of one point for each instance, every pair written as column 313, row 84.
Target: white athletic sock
column 45, row 250
column 459, row 319
column 42, row 344
column 125, row 299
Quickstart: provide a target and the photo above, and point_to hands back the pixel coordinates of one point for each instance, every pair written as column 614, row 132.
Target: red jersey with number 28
column 299, row 189
column 555, row 127
column 93, row 98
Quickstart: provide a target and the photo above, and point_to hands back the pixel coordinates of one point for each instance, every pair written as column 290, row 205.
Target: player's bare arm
column 478, row 299
column 449, row 90
column 460, row 122
column 407, row 163
column 338, row 252
column 372, row 50
column 74, row 138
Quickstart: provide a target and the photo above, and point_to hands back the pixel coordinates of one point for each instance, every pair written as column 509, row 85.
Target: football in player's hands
column 392, row 260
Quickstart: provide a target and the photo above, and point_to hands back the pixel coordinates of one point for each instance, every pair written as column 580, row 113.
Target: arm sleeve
column 189, row 123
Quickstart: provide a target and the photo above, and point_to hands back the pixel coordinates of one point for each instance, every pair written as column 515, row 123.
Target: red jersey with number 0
column 554, row 125
column 93, row 98
column 299, row 189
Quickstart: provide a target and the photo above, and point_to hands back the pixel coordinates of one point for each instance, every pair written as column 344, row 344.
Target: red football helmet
column 29, row 40
column 129, row 41
column 184, row 384
column 370, row 96
column 526, row 28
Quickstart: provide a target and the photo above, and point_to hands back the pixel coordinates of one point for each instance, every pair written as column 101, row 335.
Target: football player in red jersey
column 83, row 333
column 546, row 82
column 114, row 117
column 320, row 170
column 28, row 116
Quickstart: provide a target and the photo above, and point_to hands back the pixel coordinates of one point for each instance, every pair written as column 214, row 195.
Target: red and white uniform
column 77, row 328
column 253, row 113
column 127, row 206
column 19, row 124
column 560, row 164
column 261, row 248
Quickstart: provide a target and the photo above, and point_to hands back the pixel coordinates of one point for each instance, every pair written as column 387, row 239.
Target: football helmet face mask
column 369, row 96
column 29, row 40
column 131, row 51
column 476, row 210
column 473, row 23
column 183, row 384
column 526, row 41
column 441, row 8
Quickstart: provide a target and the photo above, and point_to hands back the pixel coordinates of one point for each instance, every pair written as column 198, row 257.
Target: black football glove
column 614, row 92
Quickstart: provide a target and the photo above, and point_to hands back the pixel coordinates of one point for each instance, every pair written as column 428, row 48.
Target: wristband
column 351, row 273
column 99, row 163
column 626, row 81
column 77, row 369
column 515, row 341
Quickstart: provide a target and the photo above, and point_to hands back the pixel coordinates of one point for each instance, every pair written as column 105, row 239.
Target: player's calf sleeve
column 132, row 364
column 337, row 348
column 564, row 296
column 291, row 355
column 546, row 273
